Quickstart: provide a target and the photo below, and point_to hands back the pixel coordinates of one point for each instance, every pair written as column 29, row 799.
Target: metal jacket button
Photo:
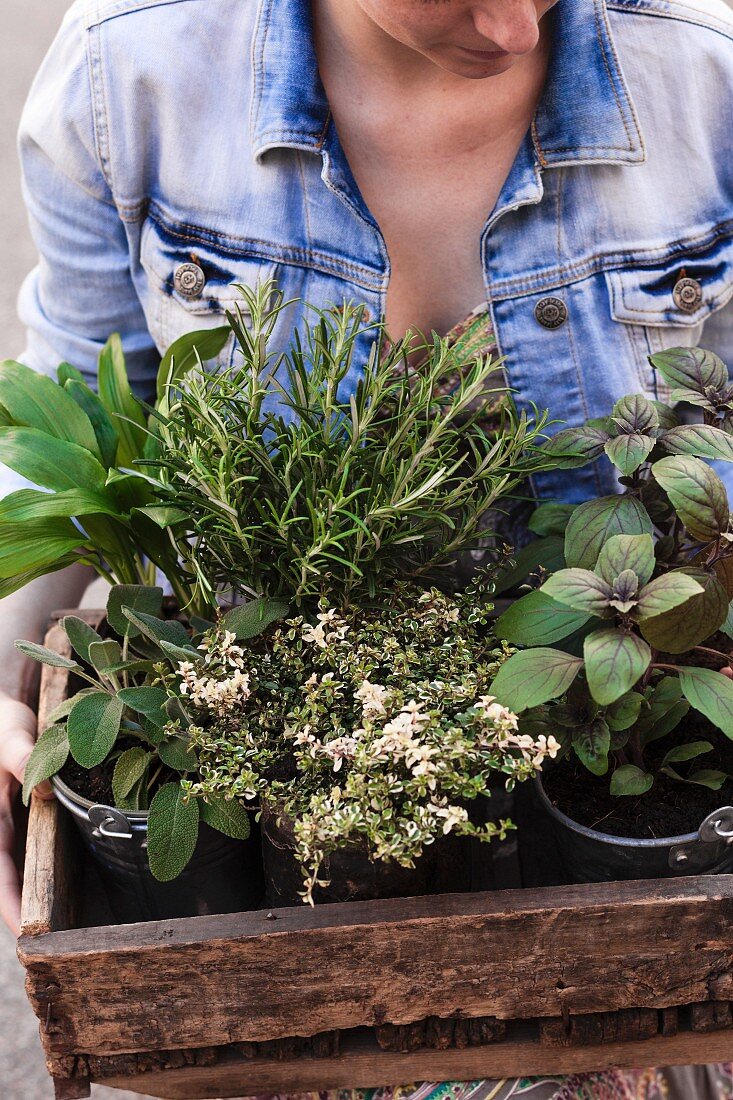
column 189, row 280
column 551, row 312
column 688, row 295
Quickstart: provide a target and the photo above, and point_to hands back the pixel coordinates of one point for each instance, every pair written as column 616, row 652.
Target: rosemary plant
column 293, row 486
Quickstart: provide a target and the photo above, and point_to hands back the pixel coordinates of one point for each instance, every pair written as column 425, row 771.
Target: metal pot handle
column 103, row 817
column 717, row 826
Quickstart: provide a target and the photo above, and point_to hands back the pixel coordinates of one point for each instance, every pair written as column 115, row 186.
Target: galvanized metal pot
column 591, row 856
column 224, row 875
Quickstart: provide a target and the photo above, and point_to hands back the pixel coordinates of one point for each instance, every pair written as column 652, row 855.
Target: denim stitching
column 707, row 22
column 258, row 66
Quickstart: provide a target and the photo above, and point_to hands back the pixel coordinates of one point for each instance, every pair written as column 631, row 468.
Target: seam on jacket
column 683, row 16
column 128, row 7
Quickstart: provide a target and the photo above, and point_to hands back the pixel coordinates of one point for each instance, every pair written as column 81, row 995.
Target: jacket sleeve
column 81, row 291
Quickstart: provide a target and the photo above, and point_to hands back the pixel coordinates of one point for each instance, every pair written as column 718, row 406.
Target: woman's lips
column 484, row 55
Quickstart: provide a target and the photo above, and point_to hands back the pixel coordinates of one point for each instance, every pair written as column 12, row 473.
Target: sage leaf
column 252, row 618
column 227, row 816
column 150, row 701
column 614, row 662
column 711, row 693
column 46, row 656
column 630, row 780
column 173, row 826
column 158, row 630
column 103, row 656
column 176, row 754
column 80, row 634
column 134, row 597
column 94, row 725
column 49, row 755
column 129, row 770
column 534, row 676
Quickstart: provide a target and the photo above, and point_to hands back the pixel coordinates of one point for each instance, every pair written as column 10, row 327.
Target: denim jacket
column 173, row 149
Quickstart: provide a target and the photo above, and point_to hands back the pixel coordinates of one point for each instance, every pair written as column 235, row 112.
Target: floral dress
column 472, row 338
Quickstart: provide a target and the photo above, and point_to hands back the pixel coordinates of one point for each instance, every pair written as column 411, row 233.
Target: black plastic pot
column 224, row 875
column 591, row 856
column 445, row 867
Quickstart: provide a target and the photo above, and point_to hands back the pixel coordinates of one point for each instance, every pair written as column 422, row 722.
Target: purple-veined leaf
column 594, row 523
column 711, row 693
column 696, row 493
column 623, row 552
column 666, row 593
column 692, row 622
column 581, row 589
column 536, row 619
column 534, row 676
column 614, row 662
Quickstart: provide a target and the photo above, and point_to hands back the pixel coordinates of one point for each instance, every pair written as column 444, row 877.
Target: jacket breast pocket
column 194, row 281
column 667, row 305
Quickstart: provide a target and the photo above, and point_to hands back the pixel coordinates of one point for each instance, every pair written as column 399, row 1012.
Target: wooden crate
column 493, row 984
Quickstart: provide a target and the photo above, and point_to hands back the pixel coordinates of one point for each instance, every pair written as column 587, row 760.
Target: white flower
column 372, row 698
column 451, row 815
column 320, row 635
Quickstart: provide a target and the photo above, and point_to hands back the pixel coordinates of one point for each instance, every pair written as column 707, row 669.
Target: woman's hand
column 17, row 737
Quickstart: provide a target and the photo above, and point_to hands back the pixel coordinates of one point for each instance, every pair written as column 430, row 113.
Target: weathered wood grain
column 363, row 1065
column 514, row 954
column 50, row 860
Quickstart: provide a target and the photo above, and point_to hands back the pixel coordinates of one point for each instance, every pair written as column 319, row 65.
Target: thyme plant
column 288, row 485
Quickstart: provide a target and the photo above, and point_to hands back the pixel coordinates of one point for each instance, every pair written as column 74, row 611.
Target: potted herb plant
column 628, row 637
column 118, row 752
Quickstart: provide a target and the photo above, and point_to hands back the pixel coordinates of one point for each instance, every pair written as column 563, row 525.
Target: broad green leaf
column 696, row 493
column 158, row 630
column 173, row 827
column 178, row 653
column 163, row 515
column 614, row 662
column 727, row 626
column 35, row 401
column 252, row 618
column 31, row 546
column 630, row 780
column 594, row 523
column 536, row 619
column 49, row 755
column 94, row 725
column 582, row 590
column 135, row 597
column 52, row 463
column 551, row 518
column 534, row 676
column 187, row 352
column 623, row 714
column 226, row 816
column 708, row 777
column 628, row 452
column 176, row 711
column 65, row 371
column 692, row 622
column 659, row 698
column 667, row 416
column 691, row 368
column 176, row 754
column 574, row 447
column 635, row 413
column 106, row 433
column 65, row 707
column 130, row 768
column 699, row 440
column 545, row 553
column 711, row 693
column 8, row 585
column 103, row 656
column 665, row 593
column 621, row 552
column 80, row 634
column 120, row 404
column 592, row 744
column 30, row 504
column 681, row 753
column 149, row 701
column 46, row 656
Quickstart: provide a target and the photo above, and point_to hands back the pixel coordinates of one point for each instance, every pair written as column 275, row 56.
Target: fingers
column 9, row 879
column 17, row 738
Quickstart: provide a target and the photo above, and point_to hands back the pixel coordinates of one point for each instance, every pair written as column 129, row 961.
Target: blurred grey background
column 28, row 28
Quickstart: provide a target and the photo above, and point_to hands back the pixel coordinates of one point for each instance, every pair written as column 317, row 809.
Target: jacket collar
column 586, row 114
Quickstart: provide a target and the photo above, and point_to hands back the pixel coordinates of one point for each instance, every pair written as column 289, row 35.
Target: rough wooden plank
column 715, row 1016
column 514, row 954
column 50, row 863
column 363, row 1065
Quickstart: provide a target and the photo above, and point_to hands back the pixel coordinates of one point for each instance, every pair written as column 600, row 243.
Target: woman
column 563, row 165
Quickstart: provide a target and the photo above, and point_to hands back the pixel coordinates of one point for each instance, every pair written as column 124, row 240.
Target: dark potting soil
column 670, row 808
column 96, row 785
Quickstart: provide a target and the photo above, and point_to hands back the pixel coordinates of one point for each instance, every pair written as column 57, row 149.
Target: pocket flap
column 646, row 295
